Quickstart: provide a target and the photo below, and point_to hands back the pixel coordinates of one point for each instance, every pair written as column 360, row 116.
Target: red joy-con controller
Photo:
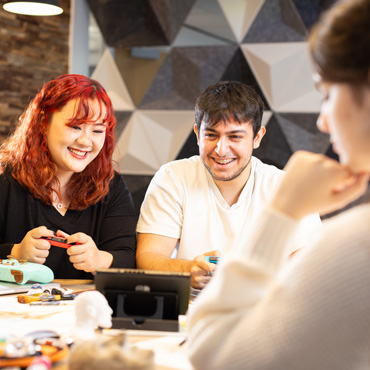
column 58, row 242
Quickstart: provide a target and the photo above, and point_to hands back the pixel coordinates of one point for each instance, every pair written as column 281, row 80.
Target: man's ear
column 196, row 132
column 257, row 140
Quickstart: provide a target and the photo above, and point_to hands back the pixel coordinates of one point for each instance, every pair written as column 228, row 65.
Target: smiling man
column 205, row 205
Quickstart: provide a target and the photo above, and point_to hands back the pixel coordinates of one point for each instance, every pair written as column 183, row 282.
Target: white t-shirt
column 183, row 202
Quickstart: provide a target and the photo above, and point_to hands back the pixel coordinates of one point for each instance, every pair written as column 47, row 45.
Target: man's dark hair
column 229, row 99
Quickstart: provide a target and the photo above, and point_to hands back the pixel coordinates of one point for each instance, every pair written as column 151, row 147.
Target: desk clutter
column 39, row 295
column 52, row 324
column 82, row 343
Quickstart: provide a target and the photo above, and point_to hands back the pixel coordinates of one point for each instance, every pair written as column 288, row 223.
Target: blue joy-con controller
column 212, row 259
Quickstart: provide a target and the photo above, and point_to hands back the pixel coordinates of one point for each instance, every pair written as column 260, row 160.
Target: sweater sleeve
column 311, row 313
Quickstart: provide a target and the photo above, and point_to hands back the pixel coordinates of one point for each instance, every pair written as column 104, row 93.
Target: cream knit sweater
column 311, row 313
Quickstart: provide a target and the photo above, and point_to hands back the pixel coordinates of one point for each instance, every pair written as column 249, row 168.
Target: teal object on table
column 21, row 272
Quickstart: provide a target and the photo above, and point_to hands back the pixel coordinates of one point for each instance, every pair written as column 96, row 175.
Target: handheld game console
column 58, row 241
column 20, row 272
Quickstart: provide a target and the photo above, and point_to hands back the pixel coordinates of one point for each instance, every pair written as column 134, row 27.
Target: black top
column 111, row 223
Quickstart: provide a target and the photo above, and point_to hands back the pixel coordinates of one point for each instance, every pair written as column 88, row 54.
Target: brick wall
column 33, row 50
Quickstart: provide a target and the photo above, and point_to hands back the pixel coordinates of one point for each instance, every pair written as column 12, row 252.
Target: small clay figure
column 92, row 311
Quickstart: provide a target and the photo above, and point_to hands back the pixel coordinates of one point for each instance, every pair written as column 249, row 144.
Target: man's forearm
column 155, row 261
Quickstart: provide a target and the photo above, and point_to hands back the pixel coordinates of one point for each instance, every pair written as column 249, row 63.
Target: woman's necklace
column 59, row 205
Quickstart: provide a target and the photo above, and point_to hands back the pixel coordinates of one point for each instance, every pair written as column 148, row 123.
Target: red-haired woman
column 56, row 175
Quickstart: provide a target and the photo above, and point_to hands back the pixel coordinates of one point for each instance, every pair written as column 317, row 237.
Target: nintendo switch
column 58, row 241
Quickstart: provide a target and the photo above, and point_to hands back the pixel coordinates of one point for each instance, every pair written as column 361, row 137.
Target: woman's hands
column 316, row 183
column 32, row 248
column 86, row 256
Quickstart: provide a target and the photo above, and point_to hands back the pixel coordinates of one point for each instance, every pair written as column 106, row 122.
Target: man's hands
column 201, row 270
column 154, row 253
column 316, row 183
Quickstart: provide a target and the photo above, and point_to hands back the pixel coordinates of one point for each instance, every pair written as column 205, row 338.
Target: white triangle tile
column 158, row 140
column 266, row 117
column 284, row 74
column 152, row 138
column 107, row 73
column 131, row 165
column 299, row 80
column 282, row 70
column 178, row 123
column 134, row 150
column 240, row 14
column 309, row 102
column 262, row 72
column 275, row 52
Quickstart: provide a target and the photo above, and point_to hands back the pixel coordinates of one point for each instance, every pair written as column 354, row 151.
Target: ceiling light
column 27, row 7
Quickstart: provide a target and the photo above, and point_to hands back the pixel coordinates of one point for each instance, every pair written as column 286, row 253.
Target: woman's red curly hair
column 26, row 151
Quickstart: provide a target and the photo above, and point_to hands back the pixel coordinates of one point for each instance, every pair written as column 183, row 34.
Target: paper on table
column 13, row 314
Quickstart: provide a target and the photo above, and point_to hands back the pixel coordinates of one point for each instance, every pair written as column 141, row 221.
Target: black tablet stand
column 144, row 310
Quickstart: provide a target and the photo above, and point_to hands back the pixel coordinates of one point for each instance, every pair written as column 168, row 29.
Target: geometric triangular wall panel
column 132, row 23
column 208, row 18
column 276, row 22
column 122, row 120
column 283, row 71
column 107, row 73
column 239, row 70
column 259, row 42
column 170, row 15
column 266, row 118
column 292, row 18
column 240, row 15
column 192, row 37
column 185, row 73
column 310, row 11
column 274, row 148
column 301, row 137
column 289, row 132
column 152, row 138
